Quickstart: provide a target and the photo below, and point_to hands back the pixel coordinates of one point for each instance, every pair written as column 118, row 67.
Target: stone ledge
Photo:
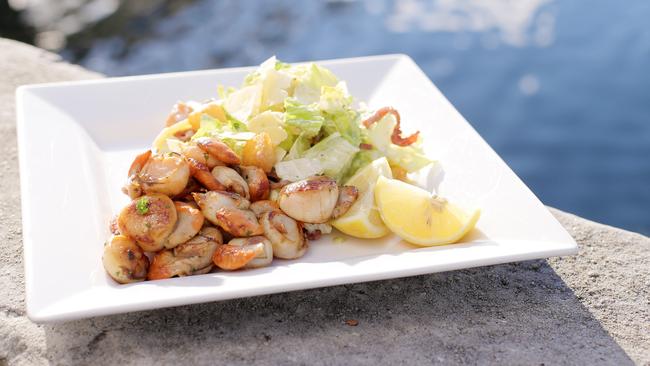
column 591, row 308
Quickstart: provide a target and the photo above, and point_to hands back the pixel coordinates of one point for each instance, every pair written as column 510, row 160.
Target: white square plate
column 76, row 141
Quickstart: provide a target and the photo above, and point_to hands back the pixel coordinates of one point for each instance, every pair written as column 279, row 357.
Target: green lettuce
column 300, row 145
column 360, row 160
column 303, row 119
column 298, row 169
column 335, row 99
column 346, row 123
column 334, row 153
column 308, row 81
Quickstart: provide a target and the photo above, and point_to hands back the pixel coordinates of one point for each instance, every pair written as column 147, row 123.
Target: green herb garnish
column 142, row 205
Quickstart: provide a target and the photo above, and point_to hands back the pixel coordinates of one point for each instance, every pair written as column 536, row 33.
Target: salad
column 257, row 172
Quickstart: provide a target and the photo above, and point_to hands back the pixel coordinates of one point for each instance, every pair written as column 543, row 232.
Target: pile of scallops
column 204, row 207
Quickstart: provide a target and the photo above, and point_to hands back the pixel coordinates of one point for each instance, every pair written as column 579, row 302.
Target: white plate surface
column 76, row 141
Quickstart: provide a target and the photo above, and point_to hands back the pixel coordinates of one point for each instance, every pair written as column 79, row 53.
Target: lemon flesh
column 420, row 218
column 362, row 219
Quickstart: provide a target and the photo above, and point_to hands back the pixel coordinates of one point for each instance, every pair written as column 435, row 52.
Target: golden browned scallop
column 262, row 247
column 231, row 257
column 202, row 174
column 230, row 179
column 258, row 184
column 149, row 220
column 218, row 149
column 260, row 207
column 310, row 200
column 347, row 196
column 187, row 259
column 238, row 222
column 211, row 202
column 124, row 261
column 189, row 222
column 192, row 151
column 167, row 174
column 285, row 234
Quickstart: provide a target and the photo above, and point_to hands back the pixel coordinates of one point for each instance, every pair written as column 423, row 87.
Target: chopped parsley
column 142, row 205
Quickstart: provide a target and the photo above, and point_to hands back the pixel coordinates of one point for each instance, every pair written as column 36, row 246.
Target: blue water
column 561, row 90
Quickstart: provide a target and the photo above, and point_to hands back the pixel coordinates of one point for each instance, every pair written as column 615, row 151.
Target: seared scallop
column 211, row 202
column 310, row 200
column 258, row 184
column 189, row 222
column 149, row 220
column 124, row 261
column 231, row 180
column 167, row 174
column 187, row 259
column 285, row 234
column 259, row 245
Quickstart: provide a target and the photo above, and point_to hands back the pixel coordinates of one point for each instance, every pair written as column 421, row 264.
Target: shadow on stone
column 520, row 313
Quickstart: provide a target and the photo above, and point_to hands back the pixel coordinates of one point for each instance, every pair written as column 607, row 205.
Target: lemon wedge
column 362, row 219
column 420, row 218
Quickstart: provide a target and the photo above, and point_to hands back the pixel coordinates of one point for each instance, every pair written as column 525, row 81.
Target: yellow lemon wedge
column 362, row 219
column 420, row 218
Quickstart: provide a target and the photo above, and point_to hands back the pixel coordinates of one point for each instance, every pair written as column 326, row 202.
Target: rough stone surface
column 592, row 308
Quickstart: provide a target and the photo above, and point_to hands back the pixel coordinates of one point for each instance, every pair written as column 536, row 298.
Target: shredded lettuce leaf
column 360, row 160
column 271, row 123
column 274, row 84
column 244, row 103
column 302, row 118
column 335, row 99
column 334, row 153
column 308, row 81
column 298, row 169
column 345, row 123
column 300, row 145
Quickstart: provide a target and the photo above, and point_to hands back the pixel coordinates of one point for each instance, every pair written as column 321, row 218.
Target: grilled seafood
column 310, row 200
column 347, row 196
column 124, row 261
column 218, row 149
column 187, row 259
column 238, row 222
column 201, row 173
column 231, row 180
column 189, row 222
column 200, row 155
column 230, row 257
column 229, row 211
column 285, row 235
column 210, row 202
column 237, row 253
column 162, row 173
column 149, row 220
column 263, row 206
column 258, row 184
